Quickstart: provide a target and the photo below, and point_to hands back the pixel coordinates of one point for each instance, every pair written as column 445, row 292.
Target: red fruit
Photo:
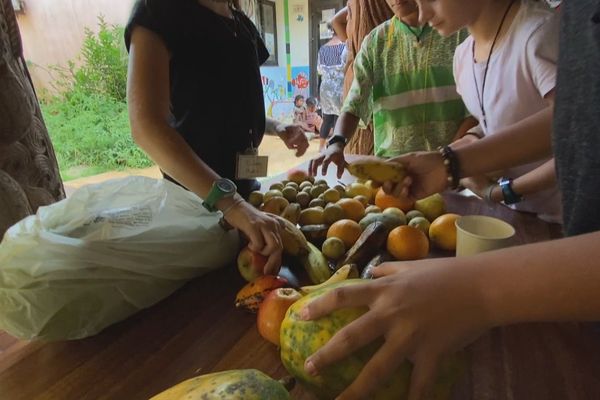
column 251, row 295
column 251, row 264
column 272, row 312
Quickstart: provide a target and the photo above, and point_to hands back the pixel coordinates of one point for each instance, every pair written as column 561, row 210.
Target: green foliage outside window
column 87, row 116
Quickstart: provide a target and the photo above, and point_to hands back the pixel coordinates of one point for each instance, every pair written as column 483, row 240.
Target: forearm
column 541, row 178
column 339, row 22
column 526, row 141
column 173, row 155
column 551, row 281
column 466, row 125
column 346, row 125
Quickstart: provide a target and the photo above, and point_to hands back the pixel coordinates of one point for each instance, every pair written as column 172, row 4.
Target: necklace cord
column 481, row 98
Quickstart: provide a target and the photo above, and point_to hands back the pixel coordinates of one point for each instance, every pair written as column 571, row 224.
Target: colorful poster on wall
column 274, row 83
column 300, row 81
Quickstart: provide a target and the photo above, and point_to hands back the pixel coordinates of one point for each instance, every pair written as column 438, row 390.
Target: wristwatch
column 221, row 189
column 510, row 197
column 337, row 139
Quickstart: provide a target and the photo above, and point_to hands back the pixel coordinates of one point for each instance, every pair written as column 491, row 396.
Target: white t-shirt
column 522, row 71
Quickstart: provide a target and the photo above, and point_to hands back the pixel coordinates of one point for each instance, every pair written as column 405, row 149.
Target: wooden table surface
column 197, row 330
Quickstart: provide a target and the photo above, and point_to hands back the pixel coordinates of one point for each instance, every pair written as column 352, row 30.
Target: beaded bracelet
column 452, row 166
column 236, row 201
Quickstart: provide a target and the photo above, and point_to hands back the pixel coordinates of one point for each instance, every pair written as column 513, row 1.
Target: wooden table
column 197, row 330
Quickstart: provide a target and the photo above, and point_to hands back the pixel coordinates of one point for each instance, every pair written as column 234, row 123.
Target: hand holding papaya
column 423, row 311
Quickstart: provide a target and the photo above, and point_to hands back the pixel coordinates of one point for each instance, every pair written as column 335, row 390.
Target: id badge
column 250, row 165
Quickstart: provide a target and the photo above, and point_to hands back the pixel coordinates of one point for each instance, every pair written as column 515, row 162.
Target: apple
column 272, row 312
column 251, row 264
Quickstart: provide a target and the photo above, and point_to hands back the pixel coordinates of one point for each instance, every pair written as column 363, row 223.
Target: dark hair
column 312, row 102
column 298, row 97
column 330, row 27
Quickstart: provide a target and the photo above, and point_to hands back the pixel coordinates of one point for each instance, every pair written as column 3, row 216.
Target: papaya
column 299, row 339
column 241, row 384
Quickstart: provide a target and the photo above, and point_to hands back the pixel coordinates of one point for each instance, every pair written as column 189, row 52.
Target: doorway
column 320, row 12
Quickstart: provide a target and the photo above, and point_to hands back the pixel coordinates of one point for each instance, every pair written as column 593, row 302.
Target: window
column 267, row 25
column 17, row 5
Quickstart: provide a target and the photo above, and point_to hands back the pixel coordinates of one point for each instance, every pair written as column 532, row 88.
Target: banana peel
column 340, row 275
column 316, row 265
column 379, row 259
column 369, row 243
column 377, row 170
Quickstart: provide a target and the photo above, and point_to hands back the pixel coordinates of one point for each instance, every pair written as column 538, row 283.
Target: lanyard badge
column 249, row 164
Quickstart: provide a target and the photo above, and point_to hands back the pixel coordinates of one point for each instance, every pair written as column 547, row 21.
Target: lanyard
column 481, row 98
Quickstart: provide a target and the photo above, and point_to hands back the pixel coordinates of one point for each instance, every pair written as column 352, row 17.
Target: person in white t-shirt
column 506, row 72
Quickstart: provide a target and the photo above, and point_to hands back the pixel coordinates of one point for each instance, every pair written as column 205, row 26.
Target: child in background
column 299, row 110
column 313, row 120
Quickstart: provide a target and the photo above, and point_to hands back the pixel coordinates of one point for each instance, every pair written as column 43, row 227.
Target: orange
column 345, row 229
column 442, row 231
column 407, row 243
column 353, row 208
column 383, row 201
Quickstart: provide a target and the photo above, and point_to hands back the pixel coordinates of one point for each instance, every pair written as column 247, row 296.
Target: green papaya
column 241, row 384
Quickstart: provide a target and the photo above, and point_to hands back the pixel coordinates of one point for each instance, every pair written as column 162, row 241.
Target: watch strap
column 510, row 196
column 215, row 194
column 337, row 139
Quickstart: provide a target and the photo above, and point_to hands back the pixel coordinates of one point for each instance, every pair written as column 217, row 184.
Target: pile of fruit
column 351, row 224
column 335, row 234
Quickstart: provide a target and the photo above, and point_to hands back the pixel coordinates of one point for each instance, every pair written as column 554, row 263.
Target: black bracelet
column 452, row 166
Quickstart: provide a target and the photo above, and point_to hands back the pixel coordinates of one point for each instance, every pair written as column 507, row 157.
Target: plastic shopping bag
column 103, row 254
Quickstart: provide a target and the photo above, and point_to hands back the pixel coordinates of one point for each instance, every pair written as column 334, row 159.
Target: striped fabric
column 406, row 88
column 331, row 55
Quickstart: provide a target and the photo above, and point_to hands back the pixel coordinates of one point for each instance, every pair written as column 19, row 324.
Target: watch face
column 225, row 186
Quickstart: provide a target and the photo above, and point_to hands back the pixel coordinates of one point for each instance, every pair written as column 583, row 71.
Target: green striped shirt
column 407, row 89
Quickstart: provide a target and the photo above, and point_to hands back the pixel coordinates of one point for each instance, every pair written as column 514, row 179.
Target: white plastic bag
column 103, row 254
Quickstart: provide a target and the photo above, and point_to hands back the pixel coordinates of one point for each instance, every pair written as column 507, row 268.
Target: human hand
column 261, row 230
column 466, row 139
column 294, row 138
column 426, row 175
column 332, row 154
column 423, row 310
column 477, row 184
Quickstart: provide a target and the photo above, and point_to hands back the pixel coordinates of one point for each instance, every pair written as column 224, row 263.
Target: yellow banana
column 316, row 265
column 293, row 240
column 379, row 171
column 340, row 275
